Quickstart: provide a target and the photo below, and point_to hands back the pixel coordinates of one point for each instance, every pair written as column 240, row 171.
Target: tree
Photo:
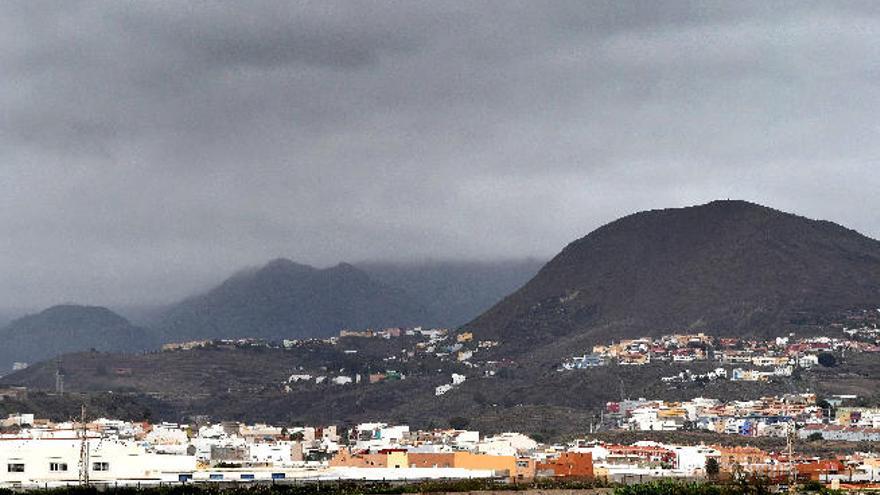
column 459, row 423
column 814, row 437
column 712, row 467
column 344, row 433
column 827, row 359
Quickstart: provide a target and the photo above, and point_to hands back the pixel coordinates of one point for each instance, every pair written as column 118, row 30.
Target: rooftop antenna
column 83, row 450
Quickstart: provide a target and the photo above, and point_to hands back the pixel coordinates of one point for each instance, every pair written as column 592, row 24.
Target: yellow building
column 397, row 459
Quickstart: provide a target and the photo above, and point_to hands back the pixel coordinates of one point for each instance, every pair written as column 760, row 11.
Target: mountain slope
column 286, row 300
column 727, row 266
column 68, row 328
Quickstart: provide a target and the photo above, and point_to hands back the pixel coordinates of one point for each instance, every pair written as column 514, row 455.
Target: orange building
column 505, row 465
column 569, row 465
column 526, row 469
column 381, row 459
column 820, row 469
column 432, row 460
column 748, row 459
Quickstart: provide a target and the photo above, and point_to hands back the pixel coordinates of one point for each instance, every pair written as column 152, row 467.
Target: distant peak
column 75, row 313
column 75, row 308
column 286, row 264
column 731, row 203
column 719, row 208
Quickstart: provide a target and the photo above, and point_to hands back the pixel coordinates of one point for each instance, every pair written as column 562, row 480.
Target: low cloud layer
column 148, row 149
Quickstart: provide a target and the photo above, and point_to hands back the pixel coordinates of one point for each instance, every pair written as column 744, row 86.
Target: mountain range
column 728, row 268
column 280, row 300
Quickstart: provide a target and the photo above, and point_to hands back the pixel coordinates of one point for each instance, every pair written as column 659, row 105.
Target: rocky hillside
column 730, row 267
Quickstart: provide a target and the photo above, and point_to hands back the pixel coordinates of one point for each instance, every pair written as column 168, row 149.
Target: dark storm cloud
column 147, row 149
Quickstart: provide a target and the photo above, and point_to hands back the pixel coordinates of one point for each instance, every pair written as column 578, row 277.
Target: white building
column 506, row 444
column 55, row 462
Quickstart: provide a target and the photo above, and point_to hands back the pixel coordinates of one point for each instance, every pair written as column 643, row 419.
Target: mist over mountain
column 68, row 328
column 288, row 300
column 284, row 299
column 730, row 267
column 455, row 292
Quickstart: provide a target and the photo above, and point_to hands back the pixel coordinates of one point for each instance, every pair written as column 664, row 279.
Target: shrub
column 827, row 359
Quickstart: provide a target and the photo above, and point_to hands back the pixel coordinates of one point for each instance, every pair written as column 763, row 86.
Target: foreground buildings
column 39, row 453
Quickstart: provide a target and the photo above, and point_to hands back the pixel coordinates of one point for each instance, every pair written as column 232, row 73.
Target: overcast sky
column 148, row 149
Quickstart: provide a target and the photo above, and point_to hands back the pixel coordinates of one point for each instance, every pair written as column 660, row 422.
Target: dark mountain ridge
column 727, row 266
column 288, row 300
column 68, row 328
column 285, row 299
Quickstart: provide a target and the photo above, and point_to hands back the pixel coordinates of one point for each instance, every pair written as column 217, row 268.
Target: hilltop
column 731, row 267
column 68, row 328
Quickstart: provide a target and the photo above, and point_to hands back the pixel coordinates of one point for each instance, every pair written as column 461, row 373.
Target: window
column 57, row 466
column 100, row 466
column 15, row 468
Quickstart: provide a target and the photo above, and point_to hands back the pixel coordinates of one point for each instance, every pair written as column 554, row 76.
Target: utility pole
column 59, row 377
column 83, row 450
column 792, row 470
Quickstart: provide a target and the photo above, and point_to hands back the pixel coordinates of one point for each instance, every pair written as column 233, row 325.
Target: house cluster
column 645, row 460
column 446, row 387
column 39, row 453
column 768, row 416
column 458, row 351
column 341, row 377
column 439, row 343
column 854, row 424
column 461, row 348
column 458, row 454
column 745, row 360
column 862, row 324
column 244, row 343
column 735, row 375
